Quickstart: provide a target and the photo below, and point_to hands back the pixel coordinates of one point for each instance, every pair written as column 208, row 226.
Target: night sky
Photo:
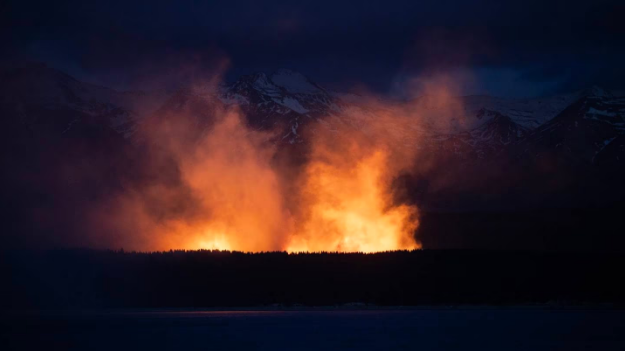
column 509, row 48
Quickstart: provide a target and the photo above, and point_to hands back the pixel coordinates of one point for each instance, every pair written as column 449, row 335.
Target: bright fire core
column 347, row 209
column 234, row 197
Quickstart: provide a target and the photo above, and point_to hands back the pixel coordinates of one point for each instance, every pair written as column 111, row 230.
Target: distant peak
column 257, row 81
column 596, row 91
column 294, row 82
column 484, row 112
column 256, row 77
column 259, row 75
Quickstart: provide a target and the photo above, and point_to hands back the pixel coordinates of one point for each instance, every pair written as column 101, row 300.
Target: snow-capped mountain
column 479, row 126
column 584, row 126
column 284, row 99
column 588, row 130
column 527, row 113
column 486, row 141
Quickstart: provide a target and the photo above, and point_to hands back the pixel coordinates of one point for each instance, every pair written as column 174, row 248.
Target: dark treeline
column 557, row 229
column 196, row 279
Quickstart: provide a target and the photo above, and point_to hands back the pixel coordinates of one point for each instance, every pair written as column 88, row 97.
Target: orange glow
column 230, row 177
column 350, row 209
column 219, row 186
column 344, row 202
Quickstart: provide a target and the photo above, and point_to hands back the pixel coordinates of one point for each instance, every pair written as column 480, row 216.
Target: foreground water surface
column 424, row 329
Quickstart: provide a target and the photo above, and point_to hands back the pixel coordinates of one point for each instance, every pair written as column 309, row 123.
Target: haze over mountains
column 291, row 100
column 481, row 152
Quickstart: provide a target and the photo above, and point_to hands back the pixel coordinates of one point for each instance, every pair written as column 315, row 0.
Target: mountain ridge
column 483, row 127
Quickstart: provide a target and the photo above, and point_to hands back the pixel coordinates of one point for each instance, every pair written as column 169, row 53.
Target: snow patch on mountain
column 292, row 104
column 528, row 113
column 295, row 83
column 262, row 83
column 470, row 126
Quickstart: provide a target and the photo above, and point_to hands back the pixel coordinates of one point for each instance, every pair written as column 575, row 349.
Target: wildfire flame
column 348, row 204
column 349, row 211
column 226, row 191
column 344, row 202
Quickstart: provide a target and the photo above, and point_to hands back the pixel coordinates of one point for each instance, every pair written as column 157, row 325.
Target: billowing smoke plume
column 347, row 203
column 221, row 193
column 201, row 174
column 210, row 181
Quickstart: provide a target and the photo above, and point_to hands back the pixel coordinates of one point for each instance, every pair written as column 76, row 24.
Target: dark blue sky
column 507, row 48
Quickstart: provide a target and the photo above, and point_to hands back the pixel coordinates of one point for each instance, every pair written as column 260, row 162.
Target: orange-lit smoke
column 230, row 172
column 349, row 205
column 226, row 194
column 224, row 189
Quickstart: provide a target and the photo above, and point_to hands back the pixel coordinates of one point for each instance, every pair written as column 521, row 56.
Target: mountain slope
column 35, row 84
column 582, row 132
column 286, row 100
column 46, row 111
